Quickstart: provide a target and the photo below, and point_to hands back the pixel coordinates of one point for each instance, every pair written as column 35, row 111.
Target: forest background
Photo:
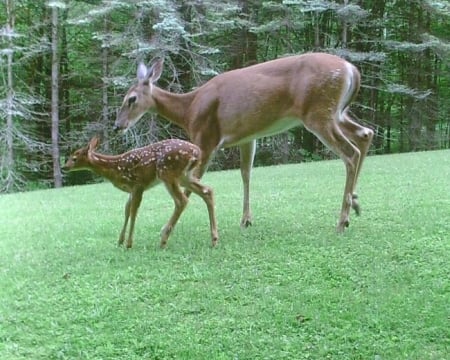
column 65, row 66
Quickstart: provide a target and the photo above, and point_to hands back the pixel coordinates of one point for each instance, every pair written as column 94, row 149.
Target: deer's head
column 139, row 98
column 79, row 159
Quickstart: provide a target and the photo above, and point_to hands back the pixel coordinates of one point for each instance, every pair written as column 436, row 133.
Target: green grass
column 286, row 288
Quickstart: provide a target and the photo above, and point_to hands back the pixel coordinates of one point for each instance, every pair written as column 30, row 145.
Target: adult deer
column 239, row 106
column 171, row 161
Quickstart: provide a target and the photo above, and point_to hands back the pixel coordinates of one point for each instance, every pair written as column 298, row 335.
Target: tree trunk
column 244, row 46
column 57, row 176
column 9, row 156
column 64, row 76
column 105, row 76
column 344, row 29
column 317, row 44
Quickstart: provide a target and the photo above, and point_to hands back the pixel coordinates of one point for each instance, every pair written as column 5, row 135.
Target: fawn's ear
column 93, row 144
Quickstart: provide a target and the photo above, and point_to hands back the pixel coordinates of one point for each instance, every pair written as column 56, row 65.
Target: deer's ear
column 142, row 72
column 93, row 144
column 155, row 71
column 152, row 74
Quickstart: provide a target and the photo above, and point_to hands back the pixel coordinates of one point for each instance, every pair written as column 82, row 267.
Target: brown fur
column 170, row 161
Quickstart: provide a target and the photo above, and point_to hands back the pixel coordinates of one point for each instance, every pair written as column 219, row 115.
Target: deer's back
column 145, row 166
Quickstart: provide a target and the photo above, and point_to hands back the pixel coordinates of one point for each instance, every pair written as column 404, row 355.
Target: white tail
column 239, row 106
column 171, row 161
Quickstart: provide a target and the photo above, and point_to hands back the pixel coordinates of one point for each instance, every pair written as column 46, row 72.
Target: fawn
column 172, row 162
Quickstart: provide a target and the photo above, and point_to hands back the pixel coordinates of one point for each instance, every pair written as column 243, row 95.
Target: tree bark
column 57, row 176
column 9, row 156
column 105, row 76
column 244, row 46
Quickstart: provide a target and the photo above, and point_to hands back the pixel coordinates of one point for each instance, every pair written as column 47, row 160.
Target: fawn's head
column 139, row 97
column 79, row 159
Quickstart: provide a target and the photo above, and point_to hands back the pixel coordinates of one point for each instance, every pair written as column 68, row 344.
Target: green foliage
column 401, row 48
column 286, row 288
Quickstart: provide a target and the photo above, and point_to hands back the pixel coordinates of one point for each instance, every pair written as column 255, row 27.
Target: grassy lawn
column 286, row 288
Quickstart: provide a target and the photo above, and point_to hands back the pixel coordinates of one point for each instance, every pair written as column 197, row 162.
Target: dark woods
column 66, row 64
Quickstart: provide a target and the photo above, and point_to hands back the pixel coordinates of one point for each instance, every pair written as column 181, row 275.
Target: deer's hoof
column 341, row 226
column 245, row 223
column 214, row 242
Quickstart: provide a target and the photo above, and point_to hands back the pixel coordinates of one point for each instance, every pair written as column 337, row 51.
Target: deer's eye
column 131, row 100
column 74, row 158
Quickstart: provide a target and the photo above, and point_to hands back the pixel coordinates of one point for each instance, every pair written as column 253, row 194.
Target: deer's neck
column 107, row 166
column 173, row 107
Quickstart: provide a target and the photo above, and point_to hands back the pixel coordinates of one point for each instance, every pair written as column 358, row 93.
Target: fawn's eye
column 74, row 158
column 131, row 100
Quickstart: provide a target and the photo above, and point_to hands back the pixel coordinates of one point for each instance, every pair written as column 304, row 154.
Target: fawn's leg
column 180, row 201
column 136, row 198
column 127, row 216
column 207, row 194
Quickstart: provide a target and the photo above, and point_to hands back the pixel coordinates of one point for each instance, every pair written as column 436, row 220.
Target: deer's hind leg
column 329, row 132
column 361, row 137
column 206, row 193
column 180, row 200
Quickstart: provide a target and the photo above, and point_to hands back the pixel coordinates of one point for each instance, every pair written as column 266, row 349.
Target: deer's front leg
column 135, row 202
column 207, row 194
column 127, row 216
column 180, row 201
column 247, row 152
